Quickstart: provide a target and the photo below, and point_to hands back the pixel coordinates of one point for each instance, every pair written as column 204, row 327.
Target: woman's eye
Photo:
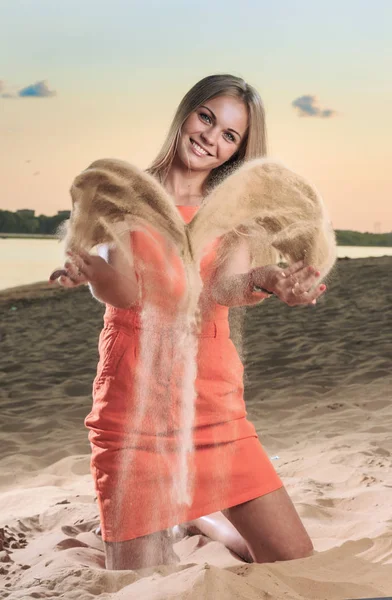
column 205, row 117
column 230, row 136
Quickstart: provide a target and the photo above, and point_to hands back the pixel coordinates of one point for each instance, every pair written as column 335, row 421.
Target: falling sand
column 279, row 212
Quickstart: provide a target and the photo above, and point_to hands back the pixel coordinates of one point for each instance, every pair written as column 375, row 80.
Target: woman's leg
column 271, row 527
column 266, row 529
column 147, row 551
column 217, row 527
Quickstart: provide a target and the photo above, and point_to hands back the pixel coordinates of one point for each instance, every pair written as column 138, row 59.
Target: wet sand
column 318, row 388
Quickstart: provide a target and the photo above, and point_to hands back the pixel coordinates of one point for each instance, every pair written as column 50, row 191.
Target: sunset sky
column 85, row 79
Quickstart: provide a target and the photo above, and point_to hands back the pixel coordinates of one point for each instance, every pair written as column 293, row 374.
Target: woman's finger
column 80, row 264
column 65, row 281
column 311, row 297
column 56, row 274
column 82, row 254
column 75, row 273
column 297, row 290
column 86, row 256
column 297, row 266
column 303, row 281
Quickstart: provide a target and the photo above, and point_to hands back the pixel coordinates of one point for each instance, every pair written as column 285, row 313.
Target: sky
column 87, row 79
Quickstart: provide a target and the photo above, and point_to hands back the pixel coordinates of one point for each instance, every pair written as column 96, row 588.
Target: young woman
column 238, row 498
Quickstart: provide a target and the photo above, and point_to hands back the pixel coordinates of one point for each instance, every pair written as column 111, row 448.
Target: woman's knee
column 306, row 549
column 302, row 549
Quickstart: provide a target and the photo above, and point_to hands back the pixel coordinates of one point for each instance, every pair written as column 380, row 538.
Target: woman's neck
column 184, row 185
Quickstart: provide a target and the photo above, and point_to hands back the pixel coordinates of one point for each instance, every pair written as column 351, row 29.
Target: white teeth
column 199, row 148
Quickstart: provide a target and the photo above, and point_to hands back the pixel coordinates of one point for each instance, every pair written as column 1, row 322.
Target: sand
column 318, row 388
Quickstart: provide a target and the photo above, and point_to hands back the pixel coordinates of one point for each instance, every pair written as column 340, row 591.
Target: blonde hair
column 254, row 144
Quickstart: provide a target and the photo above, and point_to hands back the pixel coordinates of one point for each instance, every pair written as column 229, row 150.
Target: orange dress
column 135, row 422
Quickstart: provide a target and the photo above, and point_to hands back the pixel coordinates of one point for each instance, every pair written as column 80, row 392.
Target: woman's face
column 213, row 133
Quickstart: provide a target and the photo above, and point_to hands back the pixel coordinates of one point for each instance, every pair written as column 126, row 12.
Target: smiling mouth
column 200, row 151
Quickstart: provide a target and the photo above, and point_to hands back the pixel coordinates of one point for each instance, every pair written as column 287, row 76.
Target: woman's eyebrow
column 228, row 128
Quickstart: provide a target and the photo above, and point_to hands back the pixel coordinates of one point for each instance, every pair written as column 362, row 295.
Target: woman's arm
column 231, row 283
column 111, row 275
column 118, row 284
column 113, row 286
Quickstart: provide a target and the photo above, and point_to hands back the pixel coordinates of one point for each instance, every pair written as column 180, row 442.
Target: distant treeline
column 356, row 238
column 25, row 221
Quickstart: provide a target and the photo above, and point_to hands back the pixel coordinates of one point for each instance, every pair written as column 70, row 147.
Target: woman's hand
column 81, row 268
column 291, row 285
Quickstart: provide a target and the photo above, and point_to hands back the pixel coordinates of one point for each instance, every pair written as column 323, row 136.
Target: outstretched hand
column 80, row 268
column 293, row 285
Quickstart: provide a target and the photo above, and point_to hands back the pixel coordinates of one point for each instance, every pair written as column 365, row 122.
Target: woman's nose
column 209, row 137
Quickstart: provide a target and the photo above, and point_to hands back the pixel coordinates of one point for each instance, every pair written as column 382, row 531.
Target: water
column 363, row 251
column 24, row 261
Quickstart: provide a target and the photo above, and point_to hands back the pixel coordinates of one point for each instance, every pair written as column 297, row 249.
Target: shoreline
column 49, row 236
column 28, row 236
column 30, row 291
column 44, row 288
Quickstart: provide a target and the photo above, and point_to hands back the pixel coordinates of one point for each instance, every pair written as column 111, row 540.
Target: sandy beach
column 319, row 390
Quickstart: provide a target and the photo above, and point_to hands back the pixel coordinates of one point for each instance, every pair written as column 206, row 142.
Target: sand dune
column 318, row 388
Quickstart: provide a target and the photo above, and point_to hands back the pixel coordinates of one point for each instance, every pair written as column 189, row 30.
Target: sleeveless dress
column 135, row 424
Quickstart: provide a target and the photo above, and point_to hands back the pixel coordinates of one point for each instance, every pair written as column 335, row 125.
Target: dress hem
column 206, row 510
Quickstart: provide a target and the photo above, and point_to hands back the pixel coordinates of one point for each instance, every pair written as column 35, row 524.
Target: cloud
column 3, row 93
column 36, row 90
column 39, row 89
column 307, row 106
